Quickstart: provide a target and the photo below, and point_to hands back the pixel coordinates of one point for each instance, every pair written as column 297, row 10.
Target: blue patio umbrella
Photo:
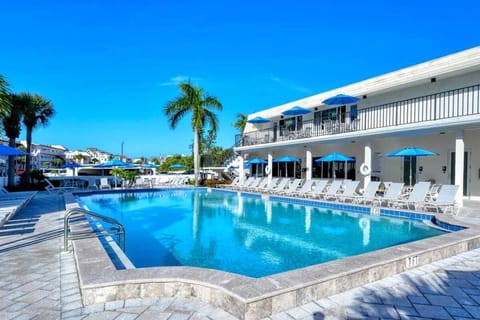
column 340, row 99
column 150, row 166
column 286, row 159
column 71, row 165
column 258, row 120
column 257, row 161
column 296, row 111
column 332, row 157
column 115, row 163
column 177, row 166
column 411, row 152
column 9, row 151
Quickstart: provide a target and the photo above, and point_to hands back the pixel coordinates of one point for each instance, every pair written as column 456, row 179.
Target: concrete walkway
column 39, row 281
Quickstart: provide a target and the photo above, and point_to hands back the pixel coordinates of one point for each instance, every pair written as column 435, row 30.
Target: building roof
column 445, row 67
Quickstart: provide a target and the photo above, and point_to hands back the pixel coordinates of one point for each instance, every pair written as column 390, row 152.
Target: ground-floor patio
column 38, row 280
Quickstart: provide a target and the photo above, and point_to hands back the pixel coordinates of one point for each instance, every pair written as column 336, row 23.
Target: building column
column 308, row 160
column 368, row 161
column 241, row 169
column 459, row 167
column 270, row 165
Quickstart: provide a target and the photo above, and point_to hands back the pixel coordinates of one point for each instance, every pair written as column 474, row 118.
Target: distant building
column 44, row 156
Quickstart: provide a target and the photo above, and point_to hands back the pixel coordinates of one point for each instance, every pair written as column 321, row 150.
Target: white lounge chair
column 104, row 184
column 52, row 188
column 332, row 190
column 318, row 190
column 258, row 183
column 445, row 199
column 416, row 196
column 306, row 187
column 349, row 191
column 292, row 187
column 280, row 186
column 391, row 195
column 369, row 193
column 267, row 186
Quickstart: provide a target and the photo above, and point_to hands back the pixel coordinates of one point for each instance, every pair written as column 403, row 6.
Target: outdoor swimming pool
column 243, row 234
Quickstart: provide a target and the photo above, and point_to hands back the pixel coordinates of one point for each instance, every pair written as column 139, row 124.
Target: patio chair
column 262, row 183
column 306, row 187
column 332, row 190
column 391, row 195
column 104, row 184
column 417, row 195
column 241, row 184
column 269, row 186
column 280, row 186
column 52, row 188
column 234, row 183
column 369, row 193
column 318, row 190
column 292, row 187
column 255, row 184
column 445, row 199
column 349, row 191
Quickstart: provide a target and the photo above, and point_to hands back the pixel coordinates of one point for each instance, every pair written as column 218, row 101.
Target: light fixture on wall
column 420, row 169
column 432, row 80
column 444, row 169
column 364, row 96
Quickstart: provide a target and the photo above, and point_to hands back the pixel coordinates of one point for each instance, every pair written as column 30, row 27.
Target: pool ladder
column 115, row 228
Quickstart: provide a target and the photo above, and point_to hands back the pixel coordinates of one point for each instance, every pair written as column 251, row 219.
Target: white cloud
column 290, row 85
column 174, row 81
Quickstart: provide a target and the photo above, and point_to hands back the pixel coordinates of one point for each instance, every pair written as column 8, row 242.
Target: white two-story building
column 433, row 105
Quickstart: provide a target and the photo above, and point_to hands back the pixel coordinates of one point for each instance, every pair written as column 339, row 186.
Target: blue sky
column 109, row 67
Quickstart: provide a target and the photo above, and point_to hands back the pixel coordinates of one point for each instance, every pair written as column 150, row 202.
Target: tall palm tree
column 12, row 124
column 37, row 112
column 241, row 122
column 4, row 98
column 194, row 100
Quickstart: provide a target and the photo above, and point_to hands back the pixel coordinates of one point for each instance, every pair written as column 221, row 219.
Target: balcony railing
column 444, row 105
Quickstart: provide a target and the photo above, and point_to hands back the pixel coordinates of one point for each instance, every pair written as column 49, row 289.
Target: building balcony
column 434, row 109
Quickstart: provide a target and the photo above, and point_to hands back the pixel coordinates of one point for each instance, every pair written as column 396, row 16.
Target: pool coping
column 256, row 298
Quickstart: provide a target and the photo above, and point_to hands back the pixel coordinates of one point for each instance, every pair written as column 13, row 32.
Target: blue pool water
column 243, row 235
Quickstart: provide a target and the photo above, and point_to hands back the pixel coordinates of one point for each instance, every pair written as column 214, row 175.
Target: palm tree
column 193, row 99
column 38, row 111
column 11, row 121
column 79, row 157
column 4, row 99
column 241, row 122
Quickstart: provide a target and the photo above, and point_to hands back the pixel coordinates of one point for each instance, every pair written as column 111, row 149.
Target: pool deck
column 40, row 281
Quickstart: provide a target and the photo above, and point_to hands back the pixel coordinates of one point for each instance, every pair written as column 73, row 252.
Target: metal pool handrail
column 116, row 228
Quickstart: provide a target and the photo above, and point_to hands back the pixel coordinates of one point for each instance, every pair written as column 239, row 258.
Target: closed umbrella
column 332, row 157
column 286, row 159
column 411, row 152
column 340, row 99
